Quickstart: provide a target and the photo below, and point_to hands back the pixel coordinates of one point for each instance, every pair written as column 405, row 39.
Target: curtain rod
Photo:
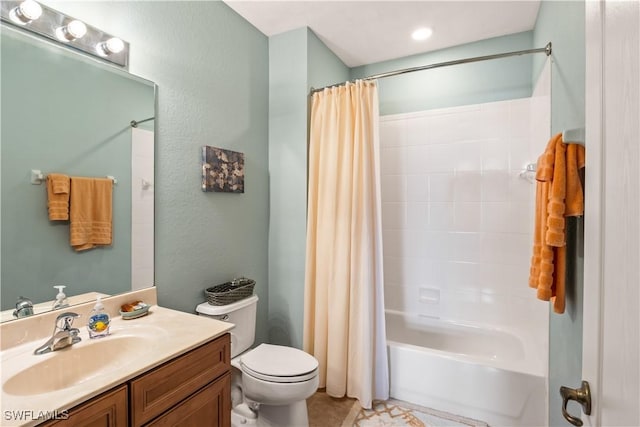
column 546, row 50
column 134, row 123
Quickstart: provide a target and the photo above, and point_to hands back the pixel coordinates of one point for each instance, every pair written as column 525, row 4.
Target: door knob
column 581, row 395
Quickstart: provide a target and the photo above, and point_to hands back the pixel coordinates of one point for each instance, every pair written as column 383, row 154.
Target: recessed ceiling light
column 422, row 34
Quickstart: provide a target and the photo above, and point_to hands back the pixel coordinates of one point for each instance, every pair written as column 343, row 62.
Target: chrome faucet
column 24, row 308
column 63, row 335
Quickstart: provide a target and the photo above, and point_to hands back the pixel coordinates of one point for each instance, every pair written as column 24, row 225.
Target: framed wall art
column 222, row 170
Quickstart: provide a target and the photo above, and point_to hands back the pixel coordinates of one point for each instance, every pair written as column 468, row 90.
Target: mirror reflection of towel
column 58, row 196
column 91, row 212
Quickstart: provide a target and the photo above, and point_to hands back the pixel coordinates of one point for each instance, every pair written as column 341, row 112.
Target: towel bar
column 569, row 136
column 574, row 136
column 37, row 177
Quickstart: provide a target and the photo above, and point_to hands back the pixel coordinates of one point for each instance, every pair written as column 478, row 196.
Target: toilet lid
column 278, row 363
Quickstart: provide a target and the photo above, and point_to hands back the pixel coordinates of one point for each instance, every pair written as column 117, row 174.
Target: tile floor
column 327, row 411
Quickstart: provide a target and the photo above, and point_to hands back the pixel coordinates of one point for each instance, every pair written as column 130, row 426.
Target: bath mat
column 393, row 413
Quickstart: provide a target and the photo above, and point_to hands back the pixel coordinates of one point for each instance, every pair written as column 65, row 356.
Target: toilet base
column 293, row 415
column 238, row 420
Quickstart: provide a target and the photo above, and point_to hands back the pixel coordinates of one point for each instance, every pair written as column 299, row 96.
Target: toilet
column 270, row 383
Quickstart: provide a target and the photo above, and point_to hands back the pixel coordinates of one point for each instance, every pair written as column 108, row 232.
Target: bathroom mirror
column 67, row 113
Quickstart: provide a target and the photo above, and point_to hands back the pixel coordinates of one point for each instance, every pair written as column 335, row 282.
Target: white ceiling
column 364, row 32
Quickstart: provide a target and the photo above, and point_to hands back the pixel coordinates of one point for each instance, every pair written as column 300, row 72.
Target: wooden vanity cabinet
column 109, row 409
column 193, row 389
column 161, row 389
column 211, row 406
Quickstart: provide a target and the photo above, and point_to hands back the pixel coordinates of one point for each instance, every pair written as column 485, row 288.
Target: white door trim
column 611, row 340
column 594, row 211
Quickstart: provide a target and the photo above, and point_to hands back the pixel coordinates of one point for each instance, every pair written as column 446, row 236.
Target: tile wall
column 142, row 209
column 457, row 217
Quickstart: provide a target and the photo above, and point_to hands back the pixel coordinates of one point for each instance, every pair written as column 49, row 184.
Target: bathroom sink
column 72, row 376
column 75, row 364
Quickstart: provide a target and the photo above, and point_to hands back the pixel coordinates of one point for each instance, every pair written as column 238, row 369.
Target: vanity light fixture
column 31, row 16
column 25, row 12
column 421, row 34
column 72, row 31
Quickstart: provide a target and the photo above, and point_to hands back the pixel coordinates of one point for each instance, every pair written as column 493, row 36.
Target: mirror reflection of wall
column 65, row 113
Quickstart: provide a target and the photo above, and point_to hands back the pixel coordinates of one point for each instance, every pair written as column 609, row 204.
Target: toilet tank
column 242, row 314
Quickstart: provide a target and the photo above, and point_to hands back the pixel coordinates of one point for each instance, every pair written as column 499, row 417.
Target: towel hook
column 529, row 173
column 36, row 176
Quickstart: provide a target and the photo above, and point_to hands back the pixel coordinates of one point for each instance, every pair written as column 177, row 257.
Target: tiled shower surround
column 142, row 208
column 457, row 217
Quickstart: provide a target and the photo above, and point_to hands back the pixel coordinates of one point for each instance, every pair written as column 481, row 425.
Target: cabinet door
column 106, row 410
column 211, row 406
column 160, row 390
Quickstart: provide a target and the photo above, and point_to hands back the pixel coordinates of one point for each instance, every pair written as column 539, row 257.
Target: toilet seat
column 280, row 379
column 279, row 364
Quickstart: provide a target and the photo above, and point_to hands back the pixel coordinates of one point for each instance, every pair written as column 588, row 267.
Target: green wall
column 473, row 83
column 211, row 68
column 62, row 113
column 298, row 60
column 563, row 22
column 288, row 185
column 324, row 67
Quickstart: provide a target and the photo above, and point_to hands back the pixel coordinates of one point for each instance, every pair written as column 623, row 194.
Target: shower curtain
column 344, row 307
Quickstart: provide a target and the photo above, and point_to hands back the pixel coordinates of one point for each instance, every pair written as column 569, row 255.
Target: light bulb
column 109, row 47
column 76, row 29
column 113, row 45
column 421, row 34
column 72, row 31
column 25, row 12
column 30, row 9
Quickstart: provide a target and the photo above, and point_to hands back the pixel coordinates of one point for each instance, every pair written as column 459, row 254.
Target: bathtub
column 488, row 374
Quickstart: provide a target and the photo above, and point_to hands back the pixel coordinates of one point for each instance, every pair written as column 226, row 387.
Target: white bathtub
column 487, row 374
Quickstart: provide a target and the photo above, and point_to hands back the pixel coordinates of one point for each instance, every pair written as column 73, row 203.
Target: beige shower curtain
column 344, row 307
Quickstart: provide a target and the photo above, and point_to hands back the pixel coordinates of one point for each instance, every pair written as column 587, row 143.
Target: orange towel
column 541, row 272
column 558, row 195
column 91, row 212
column 554, row 235
column 558, row 288
column 575, row 198
column 58, row 196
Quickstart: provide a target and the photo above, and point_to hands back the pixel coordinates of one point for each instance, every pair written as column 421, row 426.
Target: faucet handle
column 64, row 321
column 24, row 307
column 74, row 334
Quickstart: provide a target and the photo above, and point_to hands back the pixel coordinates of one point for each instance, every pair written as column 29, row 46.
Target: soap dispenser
column 98, row 325
column 61, row 299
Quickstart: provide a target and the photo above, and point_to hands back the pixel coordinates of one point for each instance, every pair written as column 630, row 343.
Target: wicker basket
column 230, row 292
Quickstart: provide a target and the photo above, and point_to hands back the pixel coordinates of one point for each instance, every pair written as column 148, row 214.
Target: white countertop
column 167, row 333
